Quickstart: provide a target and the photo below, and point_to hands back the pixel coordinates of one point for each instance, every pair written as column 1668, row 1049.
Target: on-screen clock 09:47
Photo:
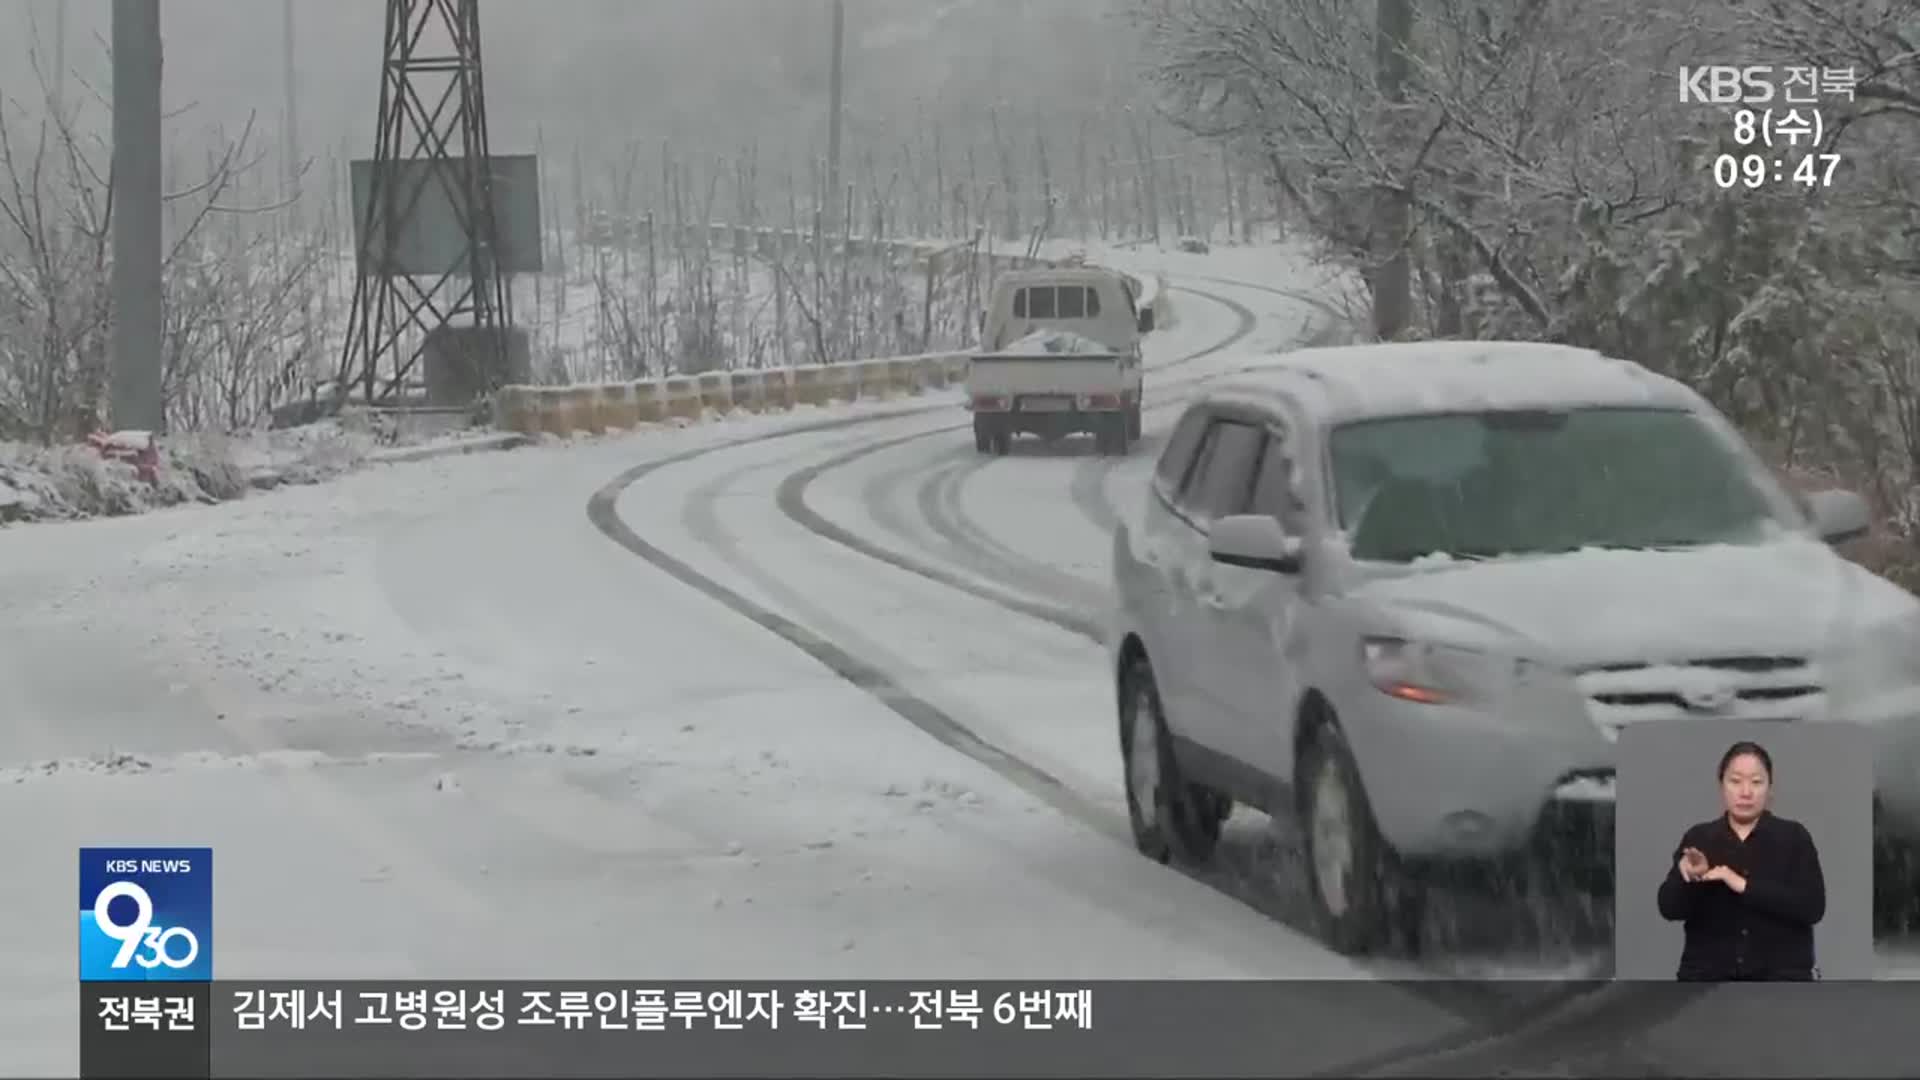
column 1756, row 170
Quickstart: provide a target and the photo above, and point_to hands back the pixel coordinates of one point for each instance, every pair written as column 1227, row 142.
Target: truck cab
column 1095, row 303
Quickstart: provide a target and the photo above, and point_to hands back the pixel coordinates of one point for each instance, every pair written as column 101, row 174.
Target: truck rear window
column 1056, row 302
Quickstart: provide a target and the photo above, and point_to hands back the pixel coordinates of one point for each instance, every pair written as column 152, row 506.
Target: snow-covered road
column 436, row 723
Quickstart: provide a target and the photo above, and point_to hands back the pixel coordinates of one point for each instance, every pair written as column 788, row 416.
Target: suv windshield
column 1480, row 485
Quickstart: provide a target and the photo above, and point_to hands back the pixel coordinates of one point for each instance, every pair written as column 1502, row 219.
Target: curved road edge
column 602, row 511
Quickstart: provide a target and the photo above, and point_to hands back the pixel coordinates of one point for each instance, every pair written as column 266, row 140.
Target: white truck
column 1059, row 355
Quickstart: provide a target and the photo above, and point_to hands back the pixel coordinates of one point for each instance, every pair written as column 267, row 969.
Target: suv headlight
column 1432, row 674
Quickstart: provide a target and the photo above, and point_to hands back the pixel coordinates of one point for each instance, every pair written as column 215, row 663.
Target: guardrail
column 602, row 407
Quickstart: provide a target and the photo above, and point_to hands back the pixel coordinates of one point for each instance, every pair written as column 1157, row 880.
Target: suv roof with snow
column 1360, row 381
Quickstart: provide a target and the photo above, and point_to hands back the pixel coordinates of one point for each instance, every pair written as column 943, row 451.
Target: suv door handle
column 1213, row 601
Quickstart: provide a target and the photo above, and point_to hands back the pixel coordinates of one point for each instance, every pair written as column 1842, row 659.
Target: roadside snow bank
column 42, row 483
column 51, row 483
column 306, row 454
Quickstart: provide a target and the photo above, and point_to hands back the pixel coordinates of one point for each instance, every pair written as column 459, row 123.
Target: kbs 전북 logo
column 146, row 914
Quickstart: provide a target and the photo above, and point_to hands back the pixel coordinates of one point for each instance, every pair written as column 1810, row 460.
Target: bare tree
column 235, row 291
column 1555, row 187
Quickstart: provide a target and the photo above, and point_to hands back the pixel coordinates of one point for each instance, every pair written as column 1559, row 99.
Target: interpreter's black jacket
column 1765, row 933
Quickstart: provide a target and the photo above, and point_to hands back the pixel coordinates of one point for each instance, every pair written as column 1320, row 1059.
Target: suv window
column 1226, row 485
column 1273, row 491
column 1183, row 446
column 1188, row 494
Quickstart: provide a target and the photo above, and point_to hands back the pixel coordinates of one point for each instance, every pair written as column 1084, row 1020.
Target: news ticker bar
column 504, row 1030
column 1161, row 1029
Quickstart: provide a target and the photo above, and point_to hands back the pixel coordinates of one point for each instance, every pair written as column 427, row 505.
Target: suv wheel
column 1170, row 817
column 1353, row 875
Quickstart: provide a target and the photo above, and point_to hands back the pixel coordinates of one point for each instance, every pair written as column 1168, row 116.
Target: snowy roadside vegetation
column 1544, row 180
column 1577, row 206
column 60, row 482
column 259, row 284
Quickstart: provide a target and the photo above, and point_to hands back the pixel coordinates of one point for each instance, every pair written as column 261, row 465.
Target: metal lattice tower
column 432, row 112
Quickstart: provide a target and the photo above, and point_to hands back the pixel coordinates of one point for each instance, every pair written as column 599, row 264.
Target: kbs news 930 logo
column 146, row 914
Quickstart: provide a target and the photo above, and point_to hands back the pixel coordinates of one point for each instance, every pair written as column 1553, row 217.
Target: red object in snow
column 136, row 448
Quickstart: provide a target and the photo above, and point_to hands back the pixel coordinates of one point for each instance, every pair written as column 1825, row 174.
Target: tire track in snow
column 603, row 512
column 940, row 504
column 941, row 526
column 792, row 499
column 1074, row 619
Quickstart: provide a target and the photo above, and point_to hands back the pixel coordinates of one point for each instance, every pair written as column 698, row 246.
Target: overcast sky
column 612, row 70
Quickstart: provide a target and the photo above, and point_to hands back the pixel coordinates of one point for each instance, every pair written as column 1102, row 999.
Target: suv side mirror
column 1255, row 541
column 1146, row 320
column 1839, row 516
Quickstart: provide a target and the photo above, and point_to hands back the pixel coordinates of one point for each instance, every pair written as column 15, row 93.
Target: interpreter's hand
column 1693, row 864
column 1727, row 876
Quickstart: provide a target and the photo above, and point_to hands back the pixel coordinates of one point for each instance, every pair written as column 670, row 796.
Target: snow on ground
column 436, row 724
column 1286, row 265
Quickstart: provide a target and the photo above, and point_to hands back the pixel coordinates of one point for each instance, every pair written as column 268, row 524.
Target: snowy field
column 438, row 723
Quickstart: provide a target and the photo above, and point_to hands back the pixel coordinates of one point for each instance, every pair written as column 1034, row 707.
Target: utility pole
column 293, row 163
column 836, row 90
column 291, row 129
column 137, row 314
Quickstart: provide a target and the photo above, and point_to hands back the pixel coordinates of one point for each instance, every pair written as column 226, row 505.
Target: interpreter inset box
column 1732, row 840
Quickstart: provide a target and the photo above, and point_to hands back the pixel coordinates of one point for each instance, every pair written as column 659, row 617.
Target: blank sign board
column 430, row 240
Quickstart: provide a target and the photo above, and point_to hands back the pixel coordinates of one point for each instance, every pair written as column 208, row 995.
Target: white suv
column 1412, row 593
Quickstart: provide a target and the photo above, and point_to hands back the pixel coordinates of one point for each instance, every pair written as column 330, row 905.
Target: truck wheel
column 1134, row 424
column 1354, row 878
column 1112, row 437
column 1170, row 817
column 982, row 435
column 1002, row 442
